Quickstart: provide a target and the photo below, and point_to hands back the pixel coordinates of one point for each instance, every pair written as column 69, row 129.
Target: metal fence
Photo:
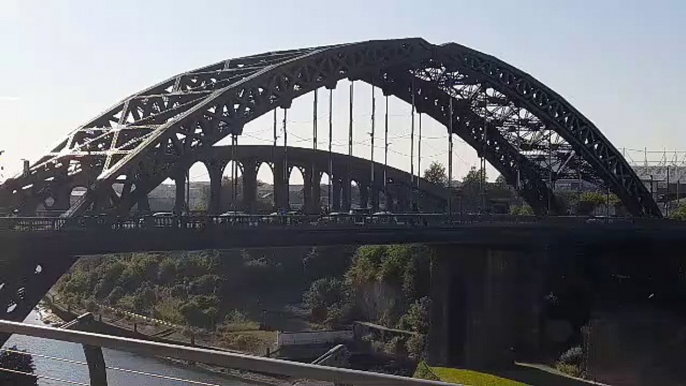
column 51, row 224
column 292, row 370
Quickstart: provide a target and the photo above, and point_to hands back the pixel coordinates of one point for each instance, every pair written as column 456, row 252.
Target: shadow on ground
column 534, row 375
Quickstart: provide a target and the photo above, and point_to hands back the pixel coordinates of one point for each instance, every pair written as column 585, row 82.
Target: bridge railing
column 293, row 370
column 334, row 220
column 33, row 224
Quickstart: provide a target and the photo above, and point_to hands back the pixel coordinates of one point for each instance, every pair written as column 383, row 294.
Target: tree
column 205, row 197
column 435, row 173
column 475, row 177
column 471, row 189
column 417, row 317
column 679, row 213
column 323, row 294
column 14, row 359
column 500, row 189
column 521, row 210
column 589, row 201
column 198, row 310
column 227, row 193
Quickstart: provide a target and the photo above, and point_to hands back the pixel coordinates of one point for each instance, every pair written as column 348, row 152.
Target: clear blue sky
column 621, row 63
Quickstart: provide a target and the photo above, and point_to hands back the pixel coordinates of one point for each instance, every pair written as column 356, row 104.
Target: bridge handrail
column 218, row 358
column 35, row 224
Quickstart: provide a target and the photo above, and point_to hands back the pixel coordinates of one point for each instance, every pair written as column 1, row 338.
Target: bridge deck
column 198, row 233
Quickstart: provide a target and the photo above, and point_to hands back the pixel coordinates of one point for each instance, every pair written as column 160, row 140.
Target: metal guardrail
column 295, row 370
column 51, row 224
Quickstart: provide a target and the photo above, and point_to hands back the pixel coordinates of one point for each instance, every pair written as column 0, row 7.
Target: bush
column 323, row 294
column 235, row 317
column 574, row 371
column 128, row 303
column 521, row 210
column 20, row 362
column 91, row 305
column 424, row 372
column 396, row 346
column 416, row 347
column 679, row 213
column 242, row 342
column 204, row 285
column 114, row 296
column 573, row 356
column 167, row 309
column 588, row 201
column 334, row 317
column 200, row 311
column 572, row 362
column 417, row 317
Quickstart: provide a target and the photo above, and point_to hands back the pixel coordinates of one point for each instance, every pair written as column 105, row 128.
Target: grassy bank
column 462, row 376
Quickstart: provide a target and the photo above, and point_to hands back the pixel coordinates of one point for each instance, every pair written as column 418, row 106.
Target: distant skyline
column 620, row 62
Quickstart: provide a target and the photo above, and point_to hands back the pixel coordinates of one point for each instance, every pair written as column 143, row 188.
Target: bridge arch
column 530, row 134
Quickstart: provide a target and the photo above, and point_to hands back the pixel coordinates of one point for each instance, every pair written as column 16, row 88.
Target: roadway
column 88, row 236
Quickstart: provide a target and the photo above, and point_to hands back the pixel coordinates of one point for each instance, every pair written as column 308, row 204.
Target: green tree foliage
column 572, row 362
column 589, row 201
column 403, row 266
column 205, row 285
column 474, row 177
column 679, row 213
column 14, row 360
column 500, row 188
column 402, row 270
column 471, row 189
column 436, row 173
column 164, row 285
column 200, row 311
column 417, row 317
column 203, row 203
column 521, row 210
column 323, row 294
column 318, row 263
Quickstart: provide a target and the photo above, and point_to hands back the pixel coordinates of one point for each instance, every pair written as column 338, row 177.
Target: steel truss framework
column 530, row 134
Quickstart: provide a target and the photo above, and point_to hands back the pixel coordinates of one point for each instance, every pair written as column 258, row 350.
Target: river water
column 119, row 359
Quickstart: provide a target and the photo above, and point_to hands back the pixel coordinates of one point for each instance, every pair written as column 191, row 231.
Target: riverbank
column 64, row 361
column 54, row 314
column 243, row 338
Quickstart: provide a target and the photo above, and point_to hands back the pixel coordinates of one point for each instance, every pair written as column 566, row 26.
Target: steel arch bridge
column 529, row 133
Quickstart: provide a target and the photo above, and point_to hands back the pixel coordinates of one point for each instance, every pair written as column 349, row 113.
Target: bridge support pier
column 143, row 204
column 485, row 306
column 215, row 204
column 374, row 198
column 336, row 195
column 27, row 272
column 307, row 191
column 250, row 186
column 389, row 203
column 180, row 197
column 317, row 193
column 364, row 196
column 345, row 205
column 401, row 204
column 281, row 190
